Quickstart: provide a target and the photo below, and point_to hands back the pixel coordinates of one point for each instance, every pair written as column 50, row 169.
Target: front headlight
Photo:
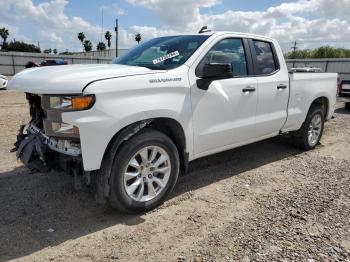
column 68, row 103
column 53, row 107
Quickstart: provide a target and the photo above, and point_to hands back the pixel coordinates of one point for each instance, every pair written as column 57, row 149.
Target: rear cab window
column 266, row 62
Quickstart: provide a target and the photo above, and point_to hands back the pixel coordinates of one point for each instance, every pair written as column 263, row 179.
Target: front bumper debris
column 31, row 151
column 40, row 152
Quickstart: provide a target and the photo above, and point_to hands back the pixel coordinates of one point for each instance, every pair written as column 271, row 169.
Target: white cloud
column 149, row 32
column 176, row 14
column 52, row 37
column 113, row 9
column 50, row 24
column 311, row 22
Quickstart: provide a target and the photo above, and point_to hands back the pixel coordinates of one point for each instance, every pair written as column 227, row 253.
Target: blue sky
column 139, row 15
column 55, row 23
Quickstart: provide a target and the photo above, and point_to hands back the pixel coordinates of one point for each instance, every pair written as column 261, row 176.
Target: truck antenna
column 203, row 30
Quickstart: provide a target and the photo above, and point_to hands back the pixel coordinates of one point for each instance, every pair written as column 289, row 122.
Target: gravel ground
column 262, row 202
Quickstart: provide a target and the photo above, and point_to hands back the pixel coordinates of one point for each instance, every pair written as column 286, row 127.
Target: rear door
column 273, row 87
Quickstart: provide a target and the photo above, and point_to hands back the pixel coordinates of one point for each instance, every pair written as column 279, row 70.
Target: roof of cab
column 247, row 35
column 218, row 33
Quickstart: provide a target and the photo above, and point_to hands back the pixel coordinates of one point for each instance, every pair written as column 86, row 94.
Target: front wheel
column 311, row 131
column 144, row 172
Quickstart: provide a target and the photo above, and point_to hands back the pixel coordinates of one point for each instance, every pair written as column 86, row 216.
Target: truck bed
column 302, row 92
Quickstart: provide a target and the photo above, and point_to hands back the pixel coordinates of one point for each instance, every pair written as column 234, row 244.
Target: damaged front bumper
column 48, row 143
column 40, row 152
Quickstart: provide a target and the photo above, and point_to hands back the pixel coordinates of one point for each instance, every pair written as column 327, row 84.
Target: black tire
column 347, row 105
column 118, row 197
column 300, row 138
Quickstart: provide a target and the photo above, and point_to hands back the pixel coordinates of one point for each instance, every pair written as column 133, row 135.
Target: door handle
column 248, row 89
column 282, row 86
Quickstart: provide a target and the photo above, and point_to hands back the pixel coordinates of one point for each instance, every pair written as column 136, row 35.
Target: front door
column 224, row 115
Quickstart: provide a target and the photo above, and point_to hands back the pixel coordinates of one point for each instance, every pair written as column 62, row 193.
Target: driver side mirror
column 210, row 72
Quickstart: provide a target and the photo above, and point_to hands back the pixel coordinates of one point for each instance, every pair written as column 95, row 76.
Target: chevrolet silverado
column 132, row 126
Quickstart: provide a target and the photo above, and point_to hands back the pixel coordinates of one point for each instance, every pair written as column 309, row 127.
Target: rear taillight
column 339, row 86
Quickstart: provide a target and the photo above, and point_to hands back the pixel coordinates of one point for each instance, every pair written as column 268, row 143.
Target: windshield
column 163, row 53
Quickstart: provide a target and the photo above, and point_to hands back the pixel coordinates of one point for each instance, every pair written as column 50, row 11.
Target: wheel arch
column 168, row 126
column 322, row 101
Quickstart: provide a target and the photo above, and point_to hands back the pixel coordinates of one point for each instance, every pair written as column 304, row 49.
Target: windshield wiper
column 151, row 66
column 155, row 67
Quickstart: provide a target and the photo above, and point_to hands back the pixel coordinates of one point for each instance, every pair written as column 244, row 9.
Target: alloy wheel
column 147, row 173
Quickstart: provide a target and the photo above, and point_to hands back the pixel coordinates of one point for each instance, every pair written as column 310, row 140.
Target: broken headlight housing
column 60, row 129
column 69, row 103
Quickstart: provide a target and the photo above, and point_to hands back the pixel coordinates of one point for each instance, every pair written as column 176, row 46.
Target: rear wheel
column 311, row 131
column 144, row 172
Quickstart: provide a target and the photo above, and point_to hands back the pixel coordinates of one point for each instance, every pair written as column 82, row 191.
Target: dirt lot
column 266, row 201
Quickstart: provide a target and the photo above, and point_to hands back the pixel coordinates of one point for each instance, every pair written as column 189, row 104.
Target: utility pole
column 294, row 47
column 102, row 25
column 116, row 38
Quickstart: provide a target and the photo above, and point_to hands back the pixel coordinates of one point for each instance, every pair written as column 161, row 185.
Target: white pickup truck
column 133, row 125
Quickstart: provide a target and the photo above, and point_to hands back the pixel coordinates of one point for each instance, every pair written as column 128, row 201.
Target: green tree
column 328, row 52
column 47, row 51
column 346, row 52
column 66, row 53
column 18, row 46
column 138, row 38
column 101, row 46
column 4, row 34
column 81, row 37
column 55, row 51
column 87, row 45
column 299, row 54
column 108, row 37
column 321, row 52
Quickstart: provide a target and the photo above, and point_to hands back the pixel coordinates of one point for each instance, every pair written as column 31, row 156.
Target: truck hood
column 69, row 79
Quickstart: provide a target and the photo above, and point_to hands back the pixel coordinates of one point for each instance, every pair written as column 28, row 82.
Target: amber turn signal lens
column 82, row 102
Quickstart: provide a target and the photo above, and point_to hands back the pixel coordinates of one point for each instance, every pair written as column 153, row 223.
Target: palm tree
column 4, row 34
column 47, row 51
column 81, row 37
column 108, row 37
column 101, row 46
column 87, row 45
column 138, row 38
column 55, row 51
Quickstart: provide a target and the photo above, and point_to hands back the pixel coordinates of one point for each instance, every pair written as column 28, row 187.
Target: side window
column 229, row 51
column 265, row 57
